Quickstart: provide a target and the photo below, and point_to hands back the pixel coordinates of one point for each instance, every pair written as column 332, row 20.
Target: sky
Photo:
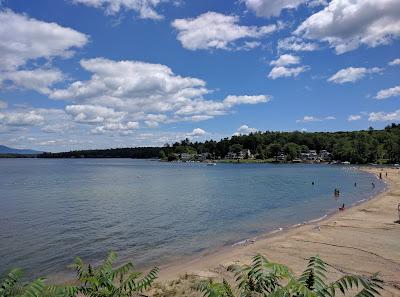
column 84, row 74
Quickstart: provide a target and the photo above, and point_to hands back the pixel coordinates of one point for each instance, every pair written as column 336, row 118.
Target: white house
column 186, row 156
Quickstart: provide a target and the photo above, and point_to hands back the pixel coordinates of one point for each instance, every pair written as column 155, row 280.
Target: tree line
column 365, row 146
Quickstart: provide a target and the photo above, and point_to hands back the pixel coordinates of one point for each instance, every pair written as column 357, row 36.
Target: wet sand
column 363, row 239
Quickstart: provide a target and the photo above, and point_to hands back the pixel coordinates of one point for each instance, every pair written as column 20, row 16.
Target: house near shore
column 243, row 154
column 186, row 156
column 281, row 157
column 203, row 156
column 324, row 155
column 312, row 156
column 231, row 156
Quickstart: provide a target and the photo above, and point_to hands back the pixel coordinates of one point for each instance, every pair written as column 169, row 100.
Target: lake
column 153, row 212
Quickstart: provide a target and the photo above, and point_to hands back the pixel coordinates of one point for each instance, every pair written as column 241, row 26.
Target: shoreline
column 211, row 263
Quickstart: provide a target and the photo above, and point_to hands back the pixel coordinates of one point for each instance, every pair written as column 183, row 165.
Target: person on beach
column 380, row 175
column 342, row 207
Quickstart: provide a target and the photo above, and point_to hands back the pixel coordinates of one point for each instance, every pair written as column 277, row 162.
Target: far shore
column 362, row 239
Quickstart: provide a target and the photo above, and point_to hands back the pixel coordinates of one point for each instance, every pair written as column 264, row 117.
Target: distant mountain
column 8, row 150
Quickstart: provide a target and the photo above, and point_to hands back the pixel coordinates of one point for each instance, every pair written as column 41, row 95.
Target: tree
column 236, row 148
column 292, row 150
column 162, row 155
column 274, row 149
column 172, row 157
column 106, row 281
column 263, row 278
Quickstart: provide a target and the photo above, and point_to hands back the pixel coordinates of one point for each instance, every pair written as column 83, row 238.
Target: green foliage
column 235, row 148
column 292, row 150
column 274, row 149
column 263, row 278
column 101, row 281
column 210, row 288
column 162, row 155
column 106, row 281
column 260, row 276
column 10, row 285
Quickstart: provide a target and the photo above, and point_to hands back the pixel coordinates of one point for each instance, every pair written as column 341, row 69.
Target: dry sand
column 363, row 239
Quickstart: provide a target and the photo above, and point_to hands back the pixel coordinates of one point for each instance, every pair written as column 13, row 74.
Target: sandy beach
column 362, row 239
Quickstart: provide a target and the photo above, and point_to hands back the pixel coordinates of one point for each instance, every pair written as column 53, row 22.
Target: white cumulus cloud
column 23, row 39
column 285, row 60
column 353, row 117
column 352, row 74
column 348, row 24
column 245, row 129
column 146, row 9
column 282, row 71
column 245, row 99
column 123, row 128
column 270, row 8
column 93, row 114
column 394, row 62
column 20, row 118
column 36, row 79
column 144, row 91
column 296, row 44
column 308, row 118
column 197, row 132
column 212, row 30
column 386, row 93
column 384, row 116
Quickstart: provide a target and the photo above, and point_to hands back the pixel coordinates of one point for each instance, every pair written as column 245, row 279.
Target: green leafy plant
column 261, row 276
column 215, row 289
column 11, row 285
column 264, row 278
column 312, row 282
column 107, row 281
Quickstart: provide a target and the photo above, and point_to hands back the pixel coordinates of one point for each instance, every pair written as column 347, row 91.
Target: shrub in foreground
column 101, row 281
column 264, row 278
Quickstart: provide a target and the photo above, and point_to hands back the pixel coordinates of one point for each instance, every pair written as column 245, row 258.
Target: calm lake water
column 152, row 212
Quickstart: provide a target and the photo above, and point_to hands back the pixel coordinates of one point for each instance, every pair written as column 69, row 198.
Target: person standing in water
column 355, row 184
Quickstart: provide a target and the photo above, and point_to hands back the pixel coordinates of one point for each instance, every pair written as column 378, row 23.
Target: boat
column 211, row 164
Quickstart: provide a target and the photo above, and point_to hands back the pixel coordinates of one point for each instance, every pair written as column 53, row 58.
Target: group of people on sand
column 380, row 175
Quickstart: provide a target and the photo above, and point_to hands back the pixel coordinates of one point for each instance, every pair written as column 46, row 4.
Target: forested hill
column 134, row 152
column 357, row 146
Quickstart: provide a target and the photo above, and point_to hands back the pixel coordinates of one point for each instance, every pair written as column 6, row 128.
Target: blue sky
column 77, row 74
